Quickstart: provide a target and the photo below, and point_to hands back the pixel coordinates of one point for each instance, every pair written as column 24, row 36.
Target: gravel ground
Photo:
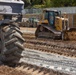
column 28, row 30
column 42, row 59
column 52, row 61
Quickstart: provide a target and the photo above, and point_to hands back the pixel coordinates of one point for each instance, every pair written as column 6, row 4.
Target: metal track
column 60, row 65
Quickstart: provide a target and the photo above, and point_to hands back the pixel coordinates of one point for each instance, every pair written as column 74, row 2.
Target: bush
column 38, row 6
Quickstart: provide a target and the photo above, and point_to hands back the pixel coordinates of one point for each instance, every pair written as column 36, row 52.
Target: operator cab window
column 46, row 15
column 51, row 18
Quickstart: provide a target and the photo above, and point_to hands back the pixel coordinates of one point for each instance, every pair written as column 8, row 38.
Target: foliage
column 38, row 6
column 63, row 3
column 49, row 3
column 27, row 2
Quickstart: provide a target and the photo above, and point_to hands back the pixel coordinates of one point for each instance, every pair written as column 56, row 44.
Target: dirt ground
column 26, row 28
column 4, row 70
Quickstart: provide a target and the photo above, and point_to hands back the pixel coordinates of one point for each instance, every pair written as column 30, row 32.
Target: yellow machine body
column 54, row 26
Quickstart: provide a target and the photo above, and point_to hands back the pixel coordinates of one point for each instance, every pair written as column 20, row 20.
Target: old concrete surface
column 48, row 60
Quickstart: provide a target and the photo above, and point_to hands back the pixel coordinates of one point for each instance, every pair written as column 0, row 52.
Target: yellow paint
column 58, row 23
column 43, row 22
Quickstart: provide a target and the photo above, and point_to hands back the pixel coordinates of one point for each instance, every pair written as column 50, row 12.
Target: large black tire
column 14, row 44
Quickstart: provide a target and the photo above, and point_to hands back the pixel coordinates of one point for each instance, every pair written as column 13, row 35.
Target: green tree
column 27, row 2
column 47, row 3
column 63, row 3
column 50, row 3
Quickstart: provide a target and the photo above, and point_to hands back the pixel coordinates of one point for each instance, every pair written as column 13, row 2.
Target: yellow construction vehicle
column 55, row 26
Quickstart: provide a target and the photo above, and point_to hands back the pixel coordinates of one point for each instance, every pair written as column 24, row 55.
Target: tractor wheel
column 13, row 43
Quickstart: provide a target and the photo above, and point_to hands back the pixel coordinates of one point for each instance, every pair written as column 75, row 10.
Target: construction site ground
column 28, row 30
column 5, row 70
column 44, row 57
